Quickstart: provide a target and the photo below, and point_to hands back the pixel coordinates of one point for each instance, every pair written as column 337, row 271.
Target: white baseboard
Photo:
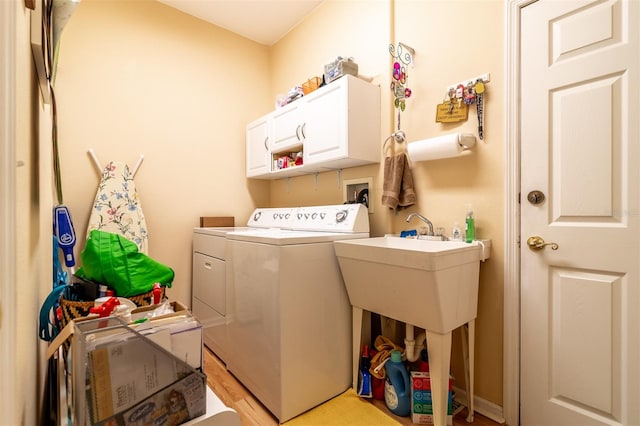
column 481, row 406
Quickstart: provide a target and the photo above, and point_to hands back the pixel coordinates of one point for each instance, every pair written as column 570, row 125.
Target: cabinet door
column 287, row 126
column 258, row 157
column 324, row 128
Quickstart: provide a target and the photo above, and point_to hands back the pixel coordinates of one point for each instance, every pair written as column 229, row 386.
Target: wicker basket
column 72, row 309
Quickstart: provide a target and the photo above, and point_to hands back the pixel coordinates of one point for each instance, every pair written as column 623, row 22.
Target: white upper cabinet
column 334, row 127
column 325, row 126
column 258, row 153
column 286, row 124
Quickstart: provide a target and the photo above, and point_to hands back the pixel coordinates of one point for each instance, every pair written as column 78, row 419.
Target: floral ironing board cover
column 116, row 208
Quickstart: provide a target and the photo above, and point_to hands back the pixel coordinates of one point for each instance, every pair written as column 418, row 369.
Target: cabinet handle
column 298, row 132
column 265, row 143
column 304, row 126
column 207, row 265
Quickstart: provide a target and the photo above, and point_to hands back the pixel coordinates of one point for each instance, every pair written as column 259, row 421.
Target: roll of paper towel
column 440, row 147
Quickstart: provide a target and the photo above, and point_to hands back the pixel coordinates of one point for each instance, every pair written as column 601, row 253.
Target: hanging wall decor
column 453, row 108
column 403, row 57
column 459, row 97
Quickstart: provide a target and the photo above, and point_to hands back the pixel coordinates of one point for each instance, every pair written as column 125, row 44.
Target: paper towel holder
column 459, row 144
column 465, row 140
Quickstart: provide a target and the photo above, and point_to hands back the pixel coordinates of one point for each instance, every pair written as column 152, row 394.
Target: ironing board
column 116, row 208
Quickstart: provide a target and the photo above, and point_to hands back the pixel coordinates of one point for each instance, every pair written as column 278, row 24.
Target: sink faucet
column 422, row 218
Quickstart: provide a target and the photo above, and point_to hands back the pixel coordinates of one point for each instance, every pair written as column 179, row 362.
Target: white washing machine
column 209, row 295
column 290, row 316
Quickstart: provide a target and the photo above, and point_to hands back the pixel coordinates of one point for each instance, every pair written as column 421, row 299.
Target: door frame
column 511, row 316
column 8, row 293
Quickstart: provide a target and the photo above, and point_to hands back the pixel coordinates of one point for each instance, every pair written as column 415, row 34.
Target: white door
column 580, row 303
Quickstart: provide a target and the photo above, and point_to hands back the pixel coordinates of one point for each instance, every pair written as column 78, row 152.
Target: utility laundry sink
column 430, row 284
column 424, row 283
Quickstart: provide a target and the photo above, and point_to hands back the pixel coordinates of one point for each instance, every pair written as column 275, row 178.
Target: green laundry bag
column 113, row 260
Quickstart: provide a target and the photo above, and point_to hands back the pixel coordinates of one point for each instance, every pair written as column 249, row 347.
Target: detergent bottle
column 397, row 387
column 364, row 377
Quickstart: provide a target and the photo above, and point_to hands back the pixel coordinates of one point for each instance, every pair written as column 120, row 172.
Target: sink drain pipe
column 413, row 347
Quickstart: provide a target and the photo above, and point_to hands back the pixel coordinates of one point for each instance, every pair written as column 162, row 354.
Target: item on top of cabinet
column 341, row 66
column 281, row 100
column 311, row 85
column 294, row 93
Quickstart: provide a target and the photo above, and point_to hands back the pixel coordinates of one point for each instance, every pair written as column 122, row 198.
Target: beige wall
column 447, row 53
column 449, row 48
column 358, row 29
column 140, row 78
column 25, row 137
column 137, row 77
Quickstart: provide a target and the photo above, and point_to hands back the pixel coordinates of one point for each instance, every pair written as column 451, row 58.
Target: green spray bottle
column 470, row 226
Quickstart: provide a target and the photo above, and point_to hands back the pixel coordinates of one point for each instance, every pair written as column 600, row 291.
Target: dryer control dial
column 341, row 216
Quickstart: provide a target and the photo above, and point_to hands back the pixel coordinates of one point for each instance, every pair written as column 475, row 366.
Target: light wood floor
column 253, row 413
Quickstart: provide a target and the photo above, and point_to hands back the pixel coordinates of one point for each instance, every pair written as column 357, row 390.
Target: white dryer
column 209, row 295
column 290, row 316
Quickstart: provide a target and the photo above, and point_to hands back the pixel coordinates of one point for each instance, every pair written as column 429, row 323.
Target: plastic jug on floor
column 397, row 387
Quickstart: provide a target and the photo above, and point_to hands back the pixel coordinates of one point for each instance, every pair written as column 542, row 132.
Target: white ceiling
column 263, row 21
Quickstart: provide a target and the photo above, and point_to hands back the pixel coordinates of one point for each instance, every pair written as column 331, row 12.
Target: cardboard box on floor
column 128, row 370
column 421, row 403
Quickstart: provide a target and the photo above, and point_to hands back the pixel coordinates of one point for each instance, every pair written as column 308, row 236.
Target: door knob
column 537, row 243
column 535, row 197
